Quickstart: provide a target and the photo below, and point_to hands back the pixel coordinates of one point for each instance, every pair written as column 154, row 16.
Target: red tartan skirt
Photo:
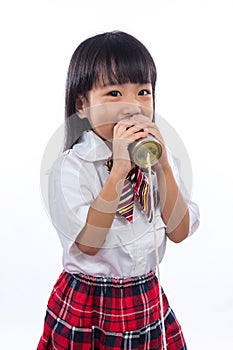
column 103, row 313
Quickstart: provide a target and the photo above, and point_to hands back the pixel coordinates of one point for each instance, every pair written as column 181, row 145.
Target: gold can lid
column 142, row 148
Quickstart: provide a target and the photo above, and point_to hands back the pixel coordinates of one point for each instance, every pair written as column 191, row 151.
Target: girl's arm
column 174, row 209
column 102, row 211
column 101, row 214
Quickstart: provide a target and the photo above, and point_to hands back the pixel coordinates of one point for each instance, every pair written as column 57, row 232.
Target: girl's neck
column 107, row 142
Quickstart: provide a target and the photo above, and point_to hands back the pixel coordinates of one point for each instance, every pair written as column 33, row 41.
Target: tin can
column 139, row 150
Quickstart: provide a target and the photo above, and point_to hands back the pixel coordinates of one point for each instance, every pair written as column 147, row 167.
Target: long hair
column 112, row 57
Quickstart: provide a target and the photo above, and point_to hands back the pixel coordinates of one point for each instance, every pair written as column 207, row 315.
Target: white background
column 191, row 42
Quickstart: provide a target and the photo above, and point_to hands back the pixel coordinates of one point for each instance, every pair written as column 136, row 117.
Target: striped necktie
column 136, row 185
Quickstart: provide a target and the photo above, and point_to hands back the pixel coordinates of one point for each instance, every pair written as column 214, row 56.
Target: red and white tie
column 136, row 185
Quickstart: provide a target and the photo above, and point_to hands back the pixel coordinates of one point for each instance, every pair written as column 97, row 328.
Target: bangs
column 115, row 58
column 121, row 64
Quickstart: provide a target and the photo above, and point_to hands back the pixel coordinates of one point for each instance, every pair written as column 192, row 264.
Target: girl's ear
column 80, row 106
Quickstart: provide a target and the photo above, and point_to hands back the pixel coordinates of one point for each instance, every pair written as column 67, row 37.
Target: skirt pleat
column 101, row 313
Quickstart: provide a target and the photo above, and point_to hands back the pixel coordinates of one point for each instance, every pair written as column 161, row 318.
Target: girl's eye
column 144, row 92
column 114, row 93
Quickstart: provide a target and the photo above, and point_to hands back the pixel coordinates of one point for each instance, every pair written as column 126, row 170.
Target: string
column 156, row 254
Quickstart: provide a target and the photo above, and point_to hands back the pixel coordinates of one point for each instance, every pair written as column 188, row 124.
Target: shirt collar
column 91, row 147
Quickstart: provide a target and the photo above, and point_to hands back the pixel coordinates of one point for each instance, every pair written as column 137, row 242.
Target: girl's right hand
column 124, row 133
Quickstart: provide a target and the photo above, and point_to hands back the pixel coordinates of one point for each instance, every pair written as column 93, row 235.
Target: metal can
column 139, row 150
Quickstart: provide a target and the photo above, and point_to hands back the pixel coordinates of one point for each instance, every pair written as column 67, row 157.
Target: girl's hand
column 125, row 132
column 151, row 128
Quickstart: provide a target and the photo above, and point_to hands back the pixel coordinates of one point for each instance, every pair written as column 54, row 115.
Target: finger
column 125, row 121
column 140, row 118
column 126, row 126
column 137, row 135
column 119, row 130
column 153, row 131
column 133, row 129
column 123, row 124
column 129, row 131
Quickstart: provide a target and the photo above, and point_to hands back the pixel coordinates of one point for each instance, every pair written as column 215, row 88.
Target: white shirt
column 75, row 180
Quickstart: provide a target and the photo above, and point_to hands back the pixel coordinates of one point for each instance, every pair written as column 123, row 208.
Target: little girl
column 107, row 296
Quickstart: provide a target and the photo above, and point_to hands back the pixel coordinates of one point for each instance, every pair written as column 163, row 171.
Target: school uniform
column 109, row 300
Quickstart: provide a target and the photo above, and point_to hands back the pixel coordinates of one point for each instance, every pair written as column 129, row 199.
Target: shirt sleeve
column 194, row 214
column 69, row 196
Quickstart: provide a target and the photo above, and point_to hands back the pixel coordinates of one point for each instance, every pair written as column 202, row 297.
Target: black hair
column 112, row 57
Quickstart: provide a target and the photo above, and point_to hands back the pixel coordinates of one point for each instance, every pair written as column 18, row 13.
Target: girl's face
column 107, row 105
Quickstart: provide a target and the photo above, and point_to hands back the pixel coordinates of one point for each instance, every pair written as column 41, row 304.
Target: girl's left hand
column 147, row 125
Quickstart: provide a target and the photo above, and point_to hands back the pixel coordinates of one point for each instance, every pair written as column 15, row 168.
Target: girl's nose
column 130, row 109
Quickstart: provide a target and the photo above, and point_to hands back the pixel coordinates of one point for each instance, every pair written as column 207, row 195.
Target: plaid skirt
column 103, row 313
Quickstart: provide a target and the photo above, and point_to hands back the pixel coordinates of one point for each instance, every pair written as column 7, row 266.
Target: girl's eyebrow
column 108, row 84
column 105, row 85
